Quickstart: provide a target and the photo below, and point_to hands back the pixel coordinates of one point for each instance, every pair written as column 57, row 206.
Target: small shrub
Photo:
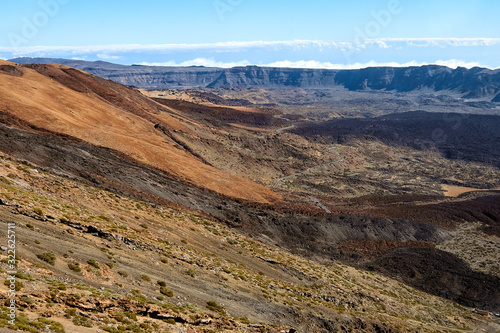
column 31, row 226
column 166, row 292
column 48, row 257
column 93, row 263
column 23, row 168
column 123, row 273
column 190, row 272
column 211, row 305
column 38, row 210
column 82, row 321
column 162, row 283
column 23, row 276
column 70, row 313
column 144, row 225
column 145, row 278
column 53, row 325
column 130, row 315
column 75, row 267
column 27, row 300
column 18, row 285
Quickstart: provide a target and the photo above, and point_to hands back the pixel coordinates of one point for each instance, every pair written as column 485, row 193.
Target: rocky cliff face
column 470, row 83
column 266, row 77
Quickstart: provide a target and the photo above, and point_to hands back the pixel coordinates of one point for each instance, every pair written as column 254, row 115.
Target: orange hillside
column 107, row 114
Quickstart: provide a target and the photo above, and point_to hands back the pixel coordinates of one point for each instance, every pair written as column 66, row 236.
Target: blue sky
column 313, row 33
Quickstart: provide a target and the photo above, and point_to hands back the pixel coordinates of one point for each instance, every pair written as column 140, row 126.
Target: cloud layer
column 385, row 43
column 454, row 52
column 452, row 63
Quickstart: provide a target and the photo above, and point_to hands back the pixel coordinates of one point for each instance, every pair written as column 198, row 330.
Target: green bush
column 211, row 305
column 18, row 284
column 53, row 325
column 11, row 176
column 166, row 292
column 38, row 210
column 48, row 257
column 27, row 299
column 93, row 263
column 75, row 267
column 24, row 276
column 68, row 313
column 82, row 321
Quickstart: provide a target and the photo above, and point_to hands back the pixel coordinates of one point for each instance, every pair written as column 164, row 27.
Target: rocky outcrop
column 473, row 83
column 253, row 76
column 470, row 83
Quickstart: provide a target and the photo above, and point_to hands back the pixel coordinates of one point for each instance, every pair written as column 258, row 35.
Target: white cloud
column 199, row 62
column 454, row 63
column 235, row 46
column 125, row 48
column 105, row 56
column 451, row 63
column 438, row 42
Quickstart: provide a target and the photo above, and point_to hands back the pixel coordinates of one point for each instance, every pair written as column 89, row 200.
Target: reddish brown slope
column 107, row 114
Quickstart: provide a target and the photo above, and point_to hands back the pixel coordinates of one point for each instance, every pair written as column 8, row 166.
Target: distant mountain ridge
column 469, row 83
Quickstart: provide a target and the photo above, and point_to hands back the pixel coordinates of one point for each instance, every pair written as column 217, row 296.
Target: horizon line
column 302, row 64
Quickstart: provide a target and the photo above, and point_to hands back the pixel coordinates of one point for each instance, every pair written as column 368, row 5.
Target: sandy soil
column 455, row 191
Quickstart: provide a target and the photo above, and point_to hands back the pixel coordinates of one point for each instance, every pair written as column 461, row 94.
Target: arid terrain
column 248, row 209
